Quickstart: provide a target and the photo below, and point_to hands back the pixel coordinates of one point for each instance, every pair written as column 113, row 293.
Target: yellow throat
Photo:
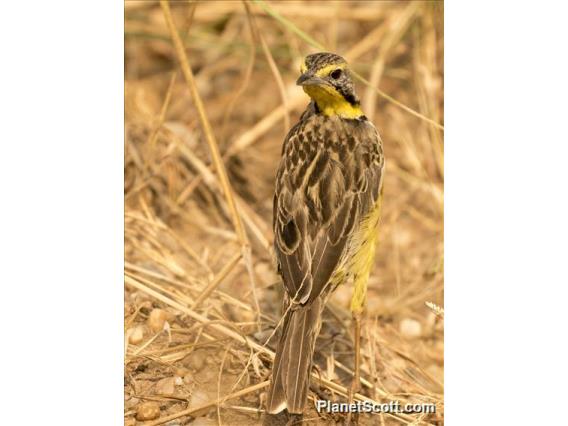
column 331, row 102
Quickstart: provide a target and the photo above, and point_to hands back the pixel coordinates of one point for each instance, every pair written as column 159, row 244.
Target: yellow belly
column 360, row 258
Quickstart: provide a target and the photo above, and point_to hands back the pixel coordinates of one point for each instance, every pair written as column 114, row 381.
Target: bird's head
column 326, row 78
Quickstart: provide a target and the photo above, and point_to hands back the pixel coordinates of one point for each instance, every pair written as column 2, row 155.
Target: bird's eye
column 335, row 74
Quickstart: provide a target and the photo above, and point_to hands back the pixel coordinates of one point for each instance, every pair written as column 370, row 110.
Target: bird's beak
column 309, row 80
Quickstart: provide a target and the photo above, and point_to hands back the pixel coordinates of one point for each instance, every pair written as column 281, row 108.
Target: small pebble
column 136, row 335
column 156, row 320
column 148, row 411
column 178, row 381
column 410, row 328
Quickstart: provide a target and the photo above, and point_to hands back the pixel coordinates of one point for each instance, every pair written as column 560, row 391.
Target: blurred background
column 192, row 294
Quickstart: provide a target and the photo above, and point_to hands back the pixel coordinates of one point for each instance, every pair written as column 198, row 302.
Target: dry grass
column 198, row 241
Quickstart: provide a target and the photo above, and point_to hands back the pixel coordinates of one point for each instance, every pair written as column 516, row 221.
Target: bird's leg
column 356, row 381
column 357, row 304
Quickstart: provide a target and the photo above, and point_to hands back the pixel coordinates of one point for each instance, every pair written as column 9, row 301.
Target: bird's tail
column 291, row 370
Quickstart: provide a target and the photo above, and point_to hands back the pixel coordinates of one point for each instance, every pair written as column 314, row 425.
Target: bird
column 326, row 213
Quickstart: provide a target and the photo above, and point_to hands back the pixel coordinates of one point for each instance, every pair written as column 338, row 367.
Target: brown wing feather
column 327, row 182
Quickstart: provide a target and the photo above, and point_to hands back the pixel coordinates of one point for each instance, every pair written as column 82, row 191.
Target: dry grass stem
column 217, row 280
column 273, row 67
column 208, row 131
column 394, row 32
